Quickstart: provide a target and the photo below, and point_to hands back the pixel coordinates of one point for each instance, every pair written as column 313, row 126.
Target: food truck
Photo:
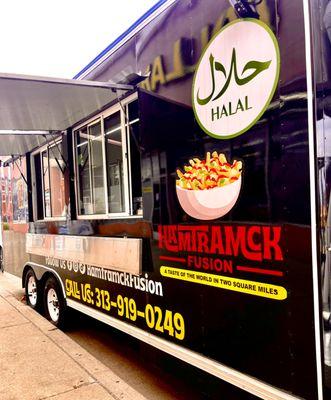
column 178, row 189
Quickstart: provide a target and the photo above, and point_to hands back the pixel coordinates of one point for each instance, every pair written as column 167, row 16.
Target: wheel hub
column 53, row 305
column 32, row 290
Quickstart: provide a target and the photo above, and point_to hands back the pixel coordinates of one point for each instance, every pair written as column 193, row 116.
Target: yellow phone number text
column 164, row 321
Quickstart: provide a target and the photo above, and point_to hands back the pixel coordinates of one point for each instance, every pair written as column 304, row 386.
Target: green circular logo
column 236, row 78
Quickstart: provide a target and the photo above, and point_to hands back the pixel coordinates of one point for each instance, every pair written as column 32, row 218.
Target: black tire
column 54, row 302
column 32, row 290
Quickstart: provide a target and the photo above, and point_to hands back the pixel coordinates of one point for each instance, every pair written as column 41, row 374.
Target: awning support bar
column 59, row 150
column 20, row 171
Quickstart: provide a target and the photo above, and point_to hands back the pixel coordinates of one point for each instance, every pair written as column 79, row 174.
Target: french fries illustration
column 208, row 189
column 213, row 172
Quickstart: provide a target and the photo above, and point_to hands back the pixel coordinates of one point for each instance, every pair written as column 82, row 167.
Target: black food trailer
column 178, row 189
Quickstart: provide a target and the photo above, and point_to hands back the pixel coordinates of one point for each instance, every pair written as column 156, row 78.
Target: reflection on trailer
column 187, row 207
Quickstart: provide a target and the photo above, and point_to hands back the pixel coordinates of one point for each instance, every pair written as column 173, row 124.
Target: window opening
column 132, row 125
column 97, row 171
column 83, row 173
column 56, row 168
column 47, row 189
column 49, row 184
column 38, row 185
column 108, row 172
column 114, row 154
column 90, row 171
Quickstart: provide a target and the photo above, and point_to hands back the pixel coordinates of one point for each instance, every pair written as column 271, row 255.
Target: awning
column 29, row 104
column 20, row 142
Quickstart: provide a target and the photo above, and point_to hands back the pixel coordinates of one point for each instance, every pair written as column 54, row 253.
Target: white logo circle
column 235, row 78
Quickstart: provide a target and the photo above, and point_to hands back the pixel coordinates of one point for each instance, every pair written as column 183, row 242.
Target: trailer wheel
column 31, row 290
column 54, row 303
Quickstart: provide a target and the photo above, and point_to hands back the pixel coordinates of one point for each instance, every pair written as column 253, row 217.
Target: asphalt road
column 153, row 373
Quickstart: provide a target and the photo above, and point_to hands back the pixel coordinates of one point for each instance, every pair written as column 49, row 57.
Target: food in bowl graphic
column 208, row 189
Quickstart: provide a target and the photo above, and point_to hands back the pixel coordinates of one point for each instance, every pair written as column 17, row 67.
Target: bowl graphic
column 210, row 203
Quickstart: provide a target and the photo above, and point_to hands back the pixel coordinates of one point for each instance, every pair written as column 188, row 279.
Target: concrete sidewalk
column 38, row 361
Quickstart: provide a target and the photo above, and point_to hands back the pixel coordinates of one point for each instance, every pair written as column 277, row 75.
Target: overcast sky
column 60, row 37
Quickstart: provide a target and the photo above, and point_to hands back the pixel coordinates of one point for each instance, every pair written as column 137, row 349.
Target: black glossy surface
column 267, row 339
column 321, row 17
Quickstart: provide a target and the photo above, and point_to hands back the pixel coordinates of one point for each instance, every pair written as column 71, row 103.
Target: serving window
column 49, row 190
column 107, row 163
column 90, row 160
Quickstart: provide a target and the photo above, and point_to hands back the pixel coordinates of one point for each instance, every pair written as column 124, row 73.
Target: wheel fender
column 42, row 273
